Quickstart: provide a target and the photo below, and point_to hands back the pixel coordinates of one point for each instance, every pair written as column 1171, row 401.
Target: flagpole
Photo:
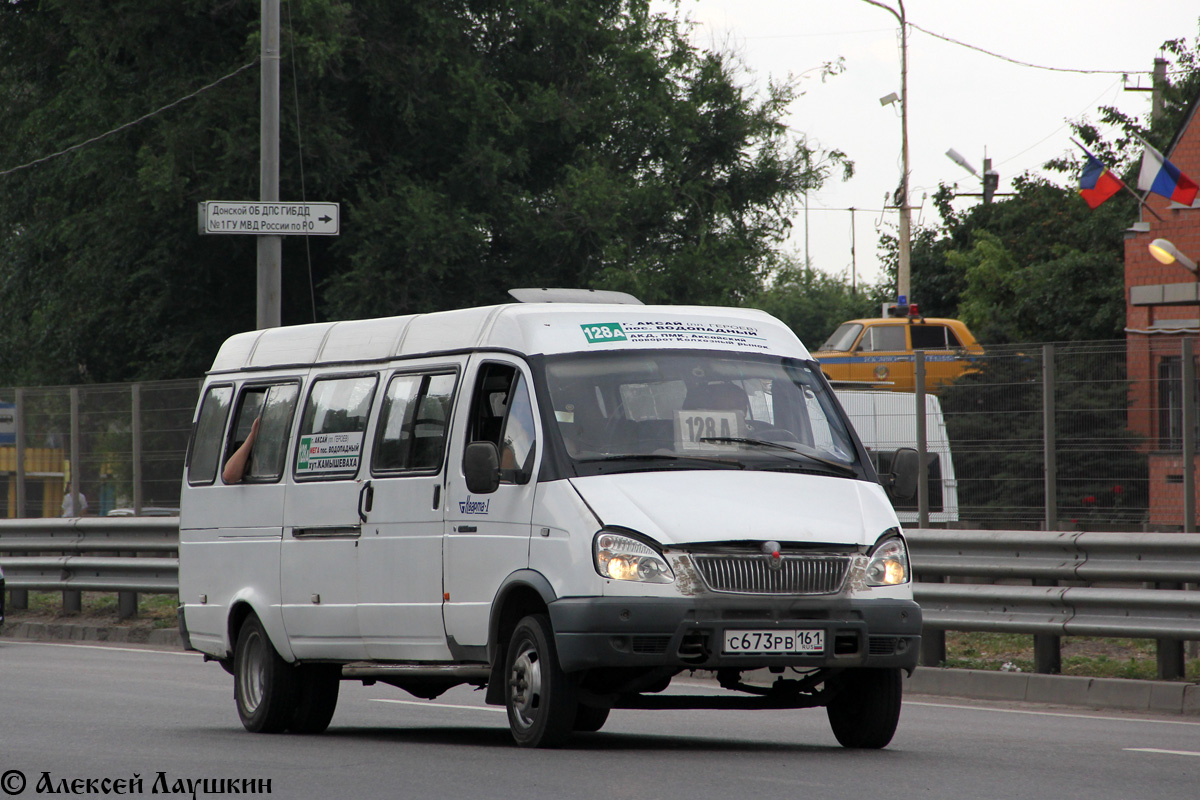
column 1141, row 201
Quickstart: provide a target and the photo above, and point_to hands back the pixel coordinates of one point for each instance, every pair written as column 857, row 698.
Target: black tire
column 866, row 709
column 589, row 719
column 540, row 698
column 316, row 697
column 264, row 685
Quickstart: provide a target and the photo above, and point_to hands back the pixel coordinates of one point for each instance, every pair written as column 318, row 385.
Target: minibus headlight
column 889, row 563
column 624, row 558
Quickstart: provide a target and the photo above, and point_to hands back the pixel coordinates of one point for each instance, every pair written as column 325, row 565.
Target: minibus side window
column 206, row 447
column 518, row 439
column 333, row 427
column 275, row 405
column 502, row 413
column 412, row 427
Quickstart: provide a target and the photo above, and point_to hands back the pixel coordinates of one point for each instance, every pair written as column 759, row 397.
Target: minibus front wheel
column 541, row 699
column 264, row 685
column 865, row 707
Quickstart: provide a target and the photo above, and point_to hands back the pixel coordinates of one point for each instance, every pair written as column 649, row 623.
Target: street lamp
column 1166, row 253
column 902, row 271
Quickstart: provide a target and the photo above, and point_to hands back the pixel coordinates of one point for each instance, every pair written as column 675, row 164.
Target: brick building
column 1162, row 307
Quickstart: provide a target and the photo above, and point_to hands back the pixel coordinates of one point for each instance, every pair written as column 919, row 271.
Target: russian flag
column 1164, row 178
column 1097, row 183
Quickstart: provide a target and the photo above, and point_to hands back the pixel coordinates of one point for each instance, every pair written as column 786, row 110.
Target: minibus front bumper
column 690, row 633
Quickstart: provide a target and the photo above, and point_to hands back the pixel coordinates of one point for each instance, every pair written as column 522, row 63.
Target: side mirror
column 481, row 465
column 901, row 483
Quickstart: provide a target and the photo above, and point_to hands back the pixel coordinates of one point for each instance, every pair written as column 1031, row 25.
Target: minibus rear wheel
column 866, row 709
column 264, row 685
column 541, row 699
column 316, row 697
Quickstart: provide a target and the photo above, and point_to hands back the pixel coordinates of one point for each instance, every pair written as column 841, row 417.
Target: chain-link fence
column 120, row 447
column 1084, row 436
column 1040, row 438
column 1122, row 414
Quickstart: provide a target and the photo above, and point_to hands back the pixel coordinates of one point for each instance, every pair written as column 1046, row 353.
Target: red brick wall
column 1182, row 227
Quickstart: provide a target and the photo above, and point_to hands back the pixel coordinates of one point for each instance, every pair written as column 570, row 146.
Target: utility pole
column 1157, row 103
column 991, row 180
column 270, row 248
column 903, row 270
column 1158, row 83
column 901, row 199
column 853, row 256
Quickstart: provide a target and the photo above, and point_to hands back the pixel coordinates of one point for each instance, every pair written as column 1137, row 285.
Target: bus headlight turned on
column 888, row 565
column 620, row 557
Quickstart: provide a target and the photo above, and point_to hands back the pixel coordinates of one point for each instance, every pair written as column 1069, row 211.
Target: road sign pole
column 270, row 248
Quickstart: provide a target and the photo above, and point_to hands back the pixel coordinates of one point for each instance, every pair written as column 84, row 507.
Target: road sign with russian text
column 269, row 219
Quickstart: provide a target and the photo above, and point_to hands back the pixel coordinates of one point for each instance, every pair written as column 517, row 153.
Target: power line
column 120, row 128
column 1025, row 63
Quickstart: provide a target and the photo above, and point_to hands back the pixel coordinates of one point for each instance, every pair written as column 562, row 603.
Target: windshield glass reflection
column 733, row 409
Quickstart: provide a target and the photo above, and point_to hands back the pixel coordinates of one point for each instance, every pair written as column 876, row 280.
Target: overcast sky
column 958, row 97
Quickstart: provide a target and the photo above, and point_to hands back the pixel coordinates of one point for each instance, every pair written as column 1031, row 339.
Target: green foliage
column 474, row 146
column 1035, row 267
column 813, row 303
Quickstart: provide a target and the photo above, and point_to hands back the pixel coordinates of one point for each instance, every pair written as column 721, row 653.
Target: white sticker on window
column 329, row 452
column 705, row 430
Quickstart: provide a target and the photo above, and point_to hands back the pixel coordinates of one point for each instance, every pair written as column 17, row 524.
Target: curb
column 73, row 632
column 1121, row 694
column 1114, row 694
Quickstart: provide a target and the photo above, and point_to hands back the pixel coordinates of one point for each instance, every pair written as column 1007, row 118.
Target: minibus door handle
column 366, row 499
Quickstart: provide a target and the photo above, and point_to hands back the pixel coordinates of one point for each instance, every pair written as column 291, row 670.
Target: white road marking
column 428, row 704
column 110, row 648
column 1162, row 752
column 1080, row 715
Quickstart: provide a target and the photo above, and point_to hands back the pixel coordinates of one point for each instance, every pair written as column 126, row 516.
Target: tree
column 474, row 146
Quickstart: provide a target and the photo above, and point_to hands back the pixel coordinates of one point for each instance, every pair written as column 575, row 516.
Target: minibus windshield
column 695, row 409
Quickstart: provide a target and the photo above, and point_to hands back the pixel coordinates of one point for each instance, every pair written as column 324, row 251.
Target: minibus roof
column 527, row 328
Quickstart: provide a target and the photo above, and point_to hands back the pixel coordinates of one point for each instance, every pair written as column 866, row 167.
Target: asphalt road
column 80, row 713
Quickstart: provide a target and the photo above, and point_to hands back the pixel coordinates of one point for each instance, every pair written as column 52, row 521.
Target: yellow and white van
column 568, row 503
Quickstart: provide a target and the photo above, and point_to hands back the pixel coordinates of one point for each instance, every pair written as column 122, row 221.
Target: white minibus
column 565, row 501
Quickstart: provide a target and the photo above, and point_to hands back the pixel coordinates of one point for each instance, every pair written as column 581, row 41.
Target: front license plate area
column 774, row 641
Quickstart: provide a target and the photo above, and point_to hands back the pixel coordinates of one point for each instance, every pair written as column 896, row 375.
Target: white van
column 567, row 503
column 886, row 421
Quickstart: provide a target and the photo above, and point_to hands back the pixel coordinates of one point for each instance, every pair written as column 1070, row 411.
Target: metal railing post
column 1047, row 649
column 933, row 642
column 73, row 600
column 19, row 412
column 1049, row 440
column 922, row 441
column 1169, row 652
column 127, row 602
column 19, row 598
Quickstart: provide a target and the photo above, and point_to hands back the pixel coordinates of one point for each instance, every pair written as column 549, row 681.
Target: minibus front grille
column 790, row 574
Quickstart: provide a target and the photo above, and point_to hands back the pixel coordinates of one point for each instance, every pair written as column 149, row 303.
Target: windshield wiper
column 663, row 457
column 845, row 469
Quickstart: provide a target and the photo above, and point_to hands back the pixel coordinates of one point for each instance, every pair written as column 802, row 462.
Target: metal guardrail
column 98, row 554
column 91, row 554
column 1076, row 560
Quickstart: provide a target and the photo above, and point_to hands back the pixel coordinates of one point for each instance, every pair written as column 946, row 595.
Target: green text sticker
column 604, row 332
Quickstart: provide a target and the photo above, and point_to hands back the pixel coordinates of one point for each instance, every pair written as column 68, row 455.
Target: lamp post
column 1166, row 253
column 902, row 271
